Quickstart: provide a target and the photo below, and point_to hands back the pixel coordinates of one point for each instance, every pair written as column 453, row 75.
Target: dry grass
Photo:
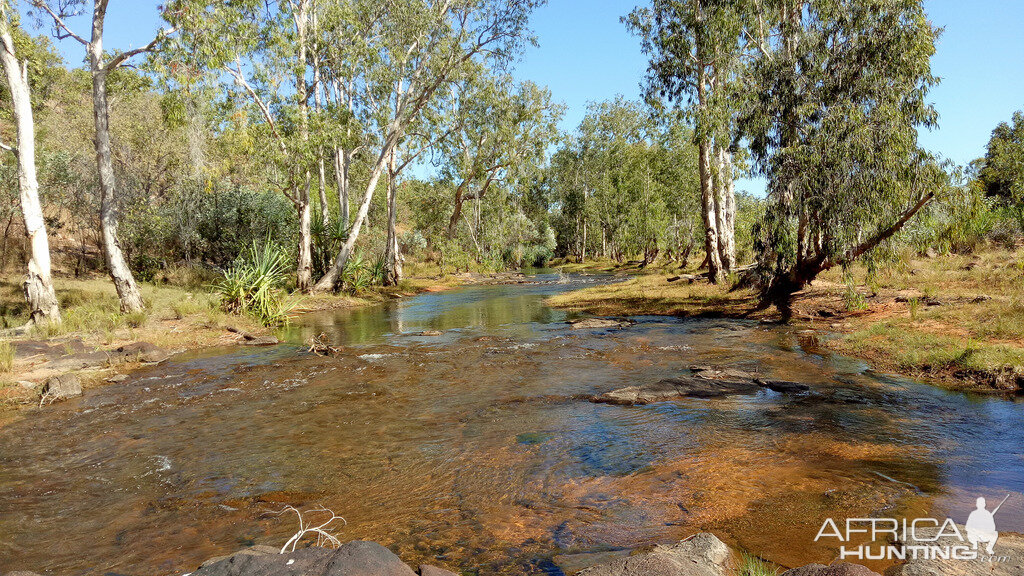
column 958, row 319
column 653, row 294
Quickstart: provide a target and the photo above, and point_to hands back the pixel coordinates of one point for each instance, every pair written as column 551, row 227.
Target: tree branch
column 120, row 58
column 59, row 23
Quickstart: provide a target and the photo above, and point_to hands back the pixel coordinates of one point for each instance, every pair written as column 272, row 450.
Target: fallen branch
column 309, row 528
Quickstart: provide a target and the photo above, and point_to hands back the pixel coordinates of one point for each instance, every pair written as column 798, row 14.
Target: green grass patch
column 751, row 565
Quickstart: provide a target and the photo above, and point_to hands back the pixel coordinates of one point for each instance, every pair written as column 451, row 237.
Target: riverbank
column 98, row 343
column 954, row 320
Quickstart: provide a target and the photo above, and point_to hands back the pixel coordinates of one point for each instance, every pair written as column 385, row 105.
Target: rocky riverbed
column 702, row 554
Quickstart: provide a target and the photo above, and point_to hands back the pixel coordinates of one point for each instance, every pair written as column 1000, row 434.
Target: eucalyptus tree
column 417, row 51
column 693, row 46
column 503, row 128
column 101, row 65
column 38, row 284
column 838, row 92
column 1002, row 168
column 263, row 48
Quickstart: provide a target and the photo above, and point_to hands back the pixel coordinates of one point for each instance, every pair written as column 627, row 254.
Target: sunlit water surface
column 477, row 449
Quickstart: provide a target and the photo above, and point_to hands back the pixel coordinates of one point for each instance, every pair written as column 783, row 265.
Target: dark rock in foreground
column 700, row 555
column 357, row 558
column 836, row 569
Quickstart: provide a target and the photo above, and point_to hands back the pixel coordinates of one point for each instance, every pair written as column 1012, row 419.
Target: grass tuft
column 751, row 565
column 6, row 356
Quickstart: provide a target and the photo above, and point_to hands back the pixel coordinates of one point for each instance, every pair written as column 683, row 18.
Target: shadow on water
column 477, row 448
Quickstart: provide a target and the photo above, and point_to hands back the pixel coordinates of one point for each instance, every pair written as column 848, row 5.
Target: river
column 477, row 448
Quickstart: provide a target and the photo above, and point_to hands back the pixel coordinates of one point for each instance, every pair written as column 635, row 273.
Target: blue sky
column 586, row 54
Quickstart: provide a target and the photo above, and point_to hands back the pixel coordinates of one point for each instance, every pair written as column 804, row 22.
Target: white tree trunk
column 120, row 273
column 724, row 205
column 42, row 301
column 707, row 198
column 392, row 252
column 304, row 274
column 342, row 161
column 729, row 194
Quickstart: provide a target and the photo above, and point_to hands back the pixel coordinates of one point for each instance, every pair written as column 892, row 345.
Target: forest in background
column 317, row 145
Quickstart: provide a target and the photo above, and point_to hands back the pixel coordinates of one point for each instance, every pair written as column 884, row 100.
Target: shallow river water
column 477, row 449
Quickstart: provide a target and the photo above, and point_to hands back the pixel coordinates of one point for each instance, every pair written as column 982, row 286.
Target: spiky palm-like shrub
column 254, row 285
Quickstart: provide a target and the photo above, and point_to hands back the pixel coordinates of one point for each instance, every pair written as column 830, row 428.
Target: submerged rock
column 700, row 555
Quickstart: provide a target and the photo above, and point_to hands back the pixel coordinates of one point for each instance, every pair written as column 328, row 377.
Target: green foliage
column 360, row 274
column 751, row 565
column 1002, row 168
column 625, row 186
column 253, row 285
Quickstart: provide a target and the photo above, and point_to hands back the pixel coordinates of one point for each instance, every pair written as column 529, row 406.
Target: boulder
column 140, row 352
column 63, row 386
column 357, row 558
column 427, row 570
column 700, row 555
column 836, row 569
column 257, row 550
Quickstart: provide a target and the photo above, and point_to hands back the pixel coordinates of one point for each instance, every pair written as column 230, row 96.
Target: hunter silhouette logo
column 981, row 525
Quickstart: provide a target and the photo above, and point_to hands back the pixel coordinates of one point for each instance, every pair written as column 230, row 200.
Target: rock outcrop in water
column 702, row 382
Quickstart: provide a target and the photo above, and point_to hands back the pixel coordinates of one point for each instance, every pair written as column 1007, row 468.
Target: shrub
column 253, row 285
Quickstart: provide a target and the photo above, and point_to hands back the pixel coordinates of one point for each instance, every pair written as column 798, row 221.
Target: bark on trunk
column 305, row 260
column 708, row 212
column 342, row 161
column 707, row 189
column 304, row 274
column 392, row 253
column 127, row 290
column 38, row 285
column 725, row 207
